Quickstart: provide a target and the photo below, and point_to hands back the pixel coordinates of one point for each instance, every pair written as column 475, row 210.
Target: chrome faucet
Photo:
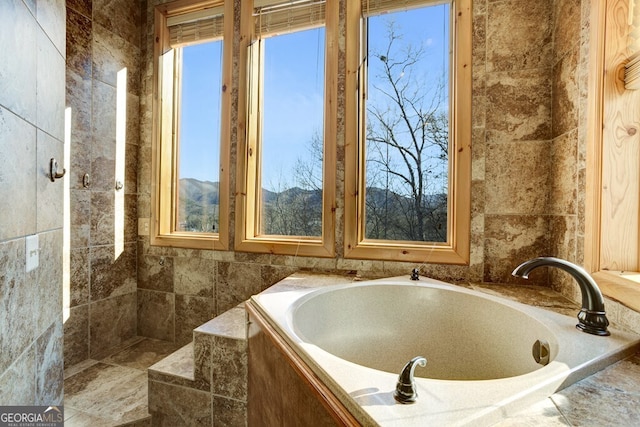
column 406, row 387
column 592, row 318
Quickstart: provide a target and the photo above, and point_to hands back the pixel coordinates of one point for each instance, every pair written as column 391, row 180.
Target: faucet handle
column 406, row 387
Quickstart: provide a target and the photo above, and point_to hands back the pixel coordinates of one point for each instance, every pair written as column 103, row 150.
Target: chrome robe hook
column 53, row 170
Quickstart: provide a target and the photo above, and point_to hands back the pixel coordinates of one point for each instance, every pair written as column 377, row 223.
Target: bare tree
column 407, row 156
column 407, row 146
column 308, row 170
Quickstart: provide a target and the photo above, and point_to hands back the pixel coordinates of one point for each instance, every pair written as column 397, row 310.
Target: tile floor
column 113, row 391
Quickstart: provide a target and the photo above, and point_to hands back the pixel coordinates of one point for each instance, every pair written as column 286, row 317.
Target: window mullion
column 258, row 148
column 175, row 138
column 253, row 126
column 166, row 148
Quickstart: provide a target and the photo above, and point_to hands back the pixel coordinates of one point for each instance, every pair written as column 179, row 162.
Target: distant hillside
column 292, row 212
column 314, row 197
column 296, row 211
column 198, row 205
column 204, row 193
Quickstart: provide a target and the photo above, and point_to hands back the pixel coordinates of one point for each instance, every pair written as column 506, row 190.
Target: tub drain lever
column 406, row 387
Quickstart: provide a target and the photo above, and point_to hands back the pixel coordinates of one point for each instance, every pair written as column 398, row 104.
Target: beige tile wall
column 567, row 174
column 31, row 132
column 102, row 38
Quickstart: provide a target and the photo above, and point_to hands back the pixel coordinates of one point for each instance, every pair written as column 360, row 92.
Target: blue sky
column 426, row 29
column 294, row 92
column 200, row 114
column 293, row 101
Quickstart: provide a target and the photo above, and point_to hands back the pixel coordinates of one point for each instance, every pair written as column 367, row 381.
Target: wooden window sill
column 622, row 286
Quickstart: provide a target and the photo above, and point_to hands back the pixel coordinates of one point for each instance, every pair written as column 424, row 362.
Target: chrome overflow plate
column 541, row 352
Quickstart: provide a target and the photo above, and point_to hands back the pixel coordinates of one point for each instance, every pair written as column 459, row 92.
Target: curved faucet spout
column 406, row 387
column 592, row 317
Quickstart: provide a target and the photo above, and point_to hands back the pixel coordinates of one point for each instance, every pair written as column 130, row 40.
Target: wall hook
column 53, row 170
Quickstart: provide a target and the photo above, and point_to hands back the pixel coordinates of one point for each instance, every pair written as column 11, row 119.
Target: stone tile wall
column 31, row 132
column 209, row 375
column 568, row 146
column 517, row 129
column 103, row 38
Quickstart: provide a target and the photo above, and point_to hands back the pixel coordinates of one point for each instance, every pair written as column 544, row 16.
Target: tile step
column 178, row 364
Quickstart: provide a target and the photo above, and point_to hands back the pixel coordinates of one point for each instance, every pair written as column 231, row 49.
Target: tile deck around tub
column 113, row 391
column 609, row 397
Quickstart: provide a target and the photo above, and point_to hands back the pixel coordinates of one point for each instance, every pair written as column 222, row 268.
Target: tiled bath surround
column 31, row 132
column 209, row 376
column 205, row 382
column 103, row 39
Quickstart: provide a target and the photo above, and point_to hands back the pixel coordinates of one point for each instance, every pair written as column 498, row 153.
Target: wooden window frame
column 457, row 248
column 247, row 237
column 164, row 144
column 611, row 108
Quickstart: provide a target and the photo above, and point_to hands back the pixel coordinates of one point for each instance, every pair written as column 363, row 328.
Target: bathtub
column 479, row 349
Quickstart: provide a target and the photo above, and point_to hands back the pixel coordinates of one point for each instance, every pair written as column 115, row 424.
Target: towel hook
column 53, row 170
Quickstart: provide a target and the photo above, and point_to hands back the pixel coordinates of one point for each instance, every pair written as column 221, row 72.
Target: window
column 191, row 126
column 402, row 202
column 612, row 196
column 408, row 175
column 288, row 189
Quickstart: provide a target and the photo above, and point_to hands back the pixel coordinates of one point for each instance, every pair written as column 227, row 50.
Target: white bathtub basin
column 382, row 326
column 480, row 366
